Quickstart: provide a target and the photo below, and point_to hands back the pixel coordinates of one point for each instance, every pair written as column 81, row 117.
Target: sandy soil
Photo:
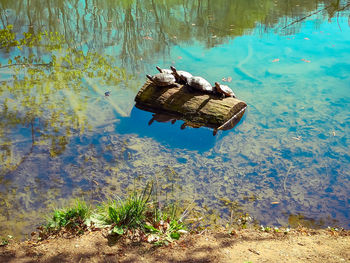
column 300, row 245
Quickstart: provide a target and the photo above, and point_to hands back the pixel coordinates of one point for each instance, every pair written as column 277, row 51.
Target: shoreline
column 245, row 245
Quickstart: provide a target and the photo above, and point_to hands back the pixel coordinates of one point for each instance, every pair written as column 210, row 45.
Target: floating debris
column 305, row 60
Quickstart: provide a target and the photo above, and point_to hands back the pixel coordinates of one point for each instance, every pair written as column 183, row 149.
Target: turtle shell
column 224, row 89
column 162, row 79
column 200, row 83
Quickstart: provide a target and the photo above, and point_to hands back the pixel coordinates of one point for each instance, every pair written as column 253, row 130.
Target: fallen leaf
column 148, row 38
column 275, row 203
column 276, row 60
column 305, row 60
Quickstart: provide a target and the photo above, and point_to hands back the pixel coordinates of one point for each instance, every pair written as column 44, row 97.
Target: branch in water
column 314, row 13
column 28, row 65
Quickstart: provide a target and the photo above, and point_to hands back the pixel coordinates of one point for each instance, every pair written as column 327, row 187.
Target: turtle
column 162, row 79
column 180, row 75
column 162, row 118
column 200, row 84
column 224, row 90
column 190, row 124
column 164, row 70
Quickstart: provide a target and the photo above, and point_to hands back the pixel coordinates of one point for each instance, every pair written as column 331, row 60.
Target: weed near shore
column 136, row 216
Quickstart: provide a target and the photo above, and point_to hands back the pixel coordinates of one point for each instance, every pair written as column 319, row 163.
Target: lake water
column 286, row 162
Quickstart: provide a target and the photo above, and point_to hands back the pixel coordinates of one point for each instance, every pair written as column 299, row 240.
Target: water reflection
column 138, row 31
column 61, row 136
column 159, row 117
column 167, row 130
column 40, row 80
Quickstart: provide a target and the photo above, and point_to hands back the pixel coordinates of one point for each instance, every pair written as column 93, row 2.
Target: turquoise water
column 285, row 163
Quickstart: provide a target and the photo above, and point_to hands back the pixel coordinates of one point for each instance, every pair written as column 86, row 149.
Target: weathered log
column 196, row 107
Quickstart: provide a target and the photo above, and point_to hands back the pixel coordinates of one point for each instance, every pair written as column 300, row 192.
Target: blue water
column 285, row 163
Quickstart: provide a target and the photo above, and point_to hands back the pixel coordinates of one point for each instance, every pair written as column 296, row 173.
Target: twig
column 185, row 213
column 27, row 65
column 253, row 251
column 338, row 23
column 303, row 18
column 203, row 231
column 314, row 13
column 231, row 217
column 285, row 179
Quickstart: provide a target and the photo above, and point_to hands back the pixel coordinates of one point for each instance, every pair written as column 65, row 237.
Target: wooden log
column 197, row 107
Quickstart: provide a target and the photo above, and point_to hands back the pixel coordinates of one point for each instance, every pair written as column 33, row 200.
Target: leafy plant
column 4, row 241
column 72, row 217
column 164, row 227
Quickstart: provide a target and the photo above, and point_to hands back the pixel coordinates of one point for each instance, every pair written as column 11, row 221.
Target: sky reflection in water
column 287, row 162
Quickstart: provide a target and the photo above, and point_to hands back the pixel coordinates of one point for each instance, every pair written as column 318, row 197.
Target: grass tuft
column 71, row 216
column 136, row 216
column 71, row 219
column 130, row 213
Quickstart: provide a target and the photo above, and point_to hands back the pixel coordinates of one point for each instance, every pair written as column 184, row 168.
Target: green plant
column 4, row 241
column 70, row 217
column 143, row 217
column 164, row 222
column 164, row 226
column 133, row 216
column 129, row 213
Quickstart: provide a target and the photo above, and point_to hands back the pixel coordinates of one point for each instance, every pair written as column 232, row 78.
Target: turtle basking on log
column 183, row 104
column 164, row 70
column 224, row 90
column 180, row 75
column 163, row 80
column 199, row 83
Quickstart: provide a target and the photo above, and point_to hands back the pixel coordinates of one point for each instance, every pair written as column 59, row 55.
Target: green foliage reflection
column 140, row 30
column 44, row 92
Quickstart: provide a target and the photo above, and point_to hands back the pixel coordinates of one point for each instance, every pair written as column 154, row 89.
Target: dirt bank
column 302, row 245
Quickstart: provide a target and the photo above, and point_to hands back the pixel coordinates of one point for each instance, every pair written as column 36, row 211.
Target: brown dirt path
column 244, row 246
